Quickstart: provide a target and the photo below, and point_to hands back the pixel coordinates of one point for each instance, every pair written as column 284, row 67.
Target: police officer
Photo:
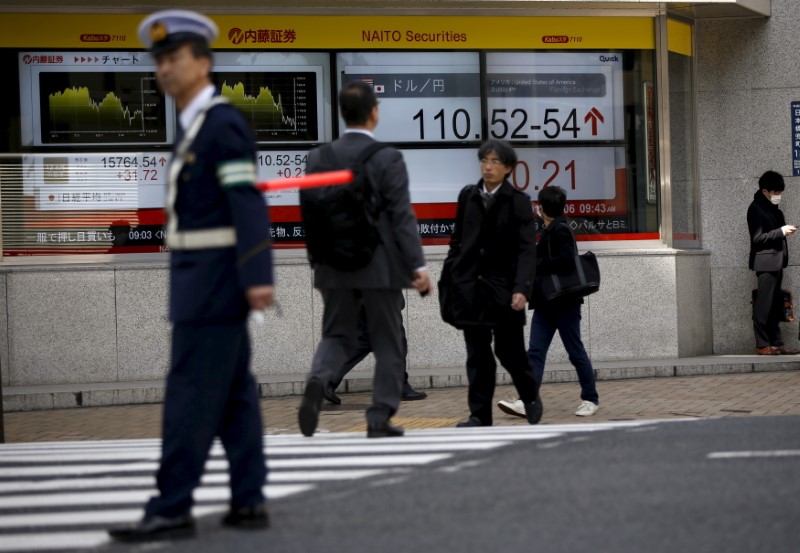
column 220, row 270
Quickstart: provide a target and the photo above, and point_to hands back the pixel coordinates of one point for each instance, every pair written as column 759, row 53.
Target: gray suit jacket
column 400, row 253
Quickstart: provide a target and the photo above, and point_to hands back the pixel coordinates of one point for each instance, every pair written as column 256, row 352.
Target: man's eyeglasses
column 494, row 162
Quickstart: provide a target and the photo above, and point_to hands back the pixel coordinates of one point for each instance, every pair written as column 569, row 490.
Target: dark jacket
column 768, row 250
column 208, row 285
column 492, row 256
column 555, row 255
column 400, row 252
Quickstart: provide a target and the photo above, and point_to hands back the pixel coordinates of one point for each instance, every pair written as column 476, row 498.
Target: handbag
column 582, row 281
column 446, row 294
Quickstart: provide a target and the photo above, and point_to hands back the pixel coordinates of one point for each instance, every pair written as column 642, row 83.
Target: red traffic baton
column 328, row 178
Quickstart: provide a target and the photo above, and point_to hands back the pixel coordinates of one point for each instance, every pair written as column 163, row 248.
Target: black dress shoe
column 410, row 394
column 534, row 410
column 156, row 528
column 384, row 430
column 330, row 394
column 470, row 422
column 783, row 350
column 250, row 518
column 308, row 414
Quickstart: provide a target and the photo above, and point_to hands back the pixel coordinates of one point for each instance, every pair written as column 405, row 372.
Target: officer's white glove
column 788, row 229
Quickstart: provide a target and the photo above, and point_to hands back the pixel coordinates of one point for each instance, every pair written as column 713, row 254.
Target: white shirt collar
column 193, row 108
column 362, row 131
column 493, row 192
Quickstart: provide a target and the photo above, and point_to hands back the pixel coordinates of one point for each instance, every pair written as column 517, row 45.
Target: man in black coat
column 768, row 257
column 492, row 260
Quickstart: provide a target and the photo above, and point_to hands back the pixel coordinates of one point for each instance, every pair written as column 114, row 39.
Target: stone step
column 65, row 396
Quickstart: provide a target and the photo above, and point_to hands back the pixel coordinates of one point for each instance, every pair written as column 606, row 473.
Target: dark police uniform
column 218, row 232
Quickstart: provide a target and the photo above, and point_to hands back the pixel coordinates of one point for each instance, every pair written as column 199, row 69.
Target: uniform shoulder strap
column 194, row 128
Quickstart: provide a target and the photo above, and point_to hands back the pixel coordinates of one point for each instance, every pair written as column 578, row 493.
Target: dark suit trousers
column 364, row 347
column 210, row 392
column 768, row 309
column 509, row 345
column 340, row 341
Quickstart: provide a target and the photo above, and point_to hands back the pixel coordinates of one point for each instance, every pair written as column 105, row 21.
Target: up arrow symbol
column 594, row 115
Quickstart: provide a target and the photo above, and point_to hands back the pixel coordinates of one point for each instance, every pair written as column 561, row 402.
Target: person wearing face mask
column 769, row 255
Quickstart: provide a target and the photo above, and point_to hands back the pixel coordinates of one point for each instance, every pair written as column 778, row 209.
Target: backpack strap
column 328, row 156
column 369, row 151
column 574, row 241
column 467, row 193
column 371, row 202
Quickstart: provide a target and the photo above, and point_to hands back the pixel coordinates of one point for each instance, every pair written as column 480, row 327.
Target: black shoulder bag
column 445, row 283
column 584, row 280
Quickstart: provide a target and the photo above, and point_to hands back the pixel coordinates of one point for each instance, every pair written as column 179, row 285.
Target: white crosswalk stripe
column 63, row 495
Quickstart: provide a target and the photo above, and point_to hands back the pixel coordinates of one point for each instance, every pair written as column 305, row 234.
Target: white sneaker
column 587, row 409
column 516, row 407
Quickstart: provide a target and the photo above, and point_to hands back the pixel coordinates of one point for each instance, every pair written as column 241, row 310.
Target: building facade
column 656, row 117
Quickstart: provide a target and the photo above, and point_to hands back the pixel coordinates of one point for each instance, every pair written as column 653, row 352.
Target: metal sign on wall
column 796, row 139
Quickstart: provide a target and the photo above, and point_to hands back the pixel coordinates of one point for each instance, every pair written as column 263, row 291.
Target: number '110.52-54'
column 513, row 126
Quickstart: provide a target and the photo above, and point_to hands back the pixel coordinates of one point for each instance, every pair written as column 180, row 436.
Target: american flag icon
column 378, row 88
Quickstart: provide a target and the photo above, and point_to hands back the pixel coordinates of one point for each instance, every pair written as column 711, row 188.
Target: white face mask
column 776, row 199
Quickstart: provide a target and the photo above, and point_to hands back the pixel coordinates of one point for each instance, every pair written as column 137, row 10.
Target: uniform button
column 483, row 252
column 480, row 277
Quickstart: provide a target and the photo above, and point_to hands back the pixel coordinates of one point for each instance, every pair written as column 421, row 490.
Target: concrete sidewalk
column 758, row 392
column 33, row 398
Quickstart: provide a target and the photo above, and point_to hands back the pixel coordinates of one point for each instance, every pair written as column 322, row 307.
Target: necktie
column 487, row 199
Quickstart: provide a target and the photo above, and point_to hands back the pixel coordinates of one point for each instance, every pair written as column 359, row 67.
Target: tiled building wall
column 747, row 77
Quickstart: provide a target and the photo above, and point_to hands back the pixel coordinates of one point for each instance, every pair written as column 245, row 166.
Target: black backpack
column 340, row 221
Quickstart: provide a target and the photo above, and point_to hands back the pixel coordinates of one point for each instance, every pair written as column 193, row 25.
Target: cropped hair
column 356, row 101
column 198, row 46
column 552, row 199
column 202, row 49
column 502, row 149
column 771, row 181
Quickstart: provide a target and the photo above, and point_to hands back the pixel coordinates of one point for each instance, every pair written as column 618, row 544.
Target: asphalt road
column 709, row 485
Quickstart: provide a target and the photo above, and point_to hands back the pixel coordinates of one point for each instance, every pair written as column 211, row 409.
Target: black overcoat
column 768, row 251
column 492, row 256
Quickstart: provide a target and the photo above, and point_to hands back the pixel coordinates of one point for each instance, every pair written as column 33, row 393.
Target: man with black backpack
column 364, row 259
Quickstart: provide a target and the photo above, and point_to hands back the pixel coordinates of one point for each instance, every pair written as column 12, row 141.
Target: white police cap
column 167, row 29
